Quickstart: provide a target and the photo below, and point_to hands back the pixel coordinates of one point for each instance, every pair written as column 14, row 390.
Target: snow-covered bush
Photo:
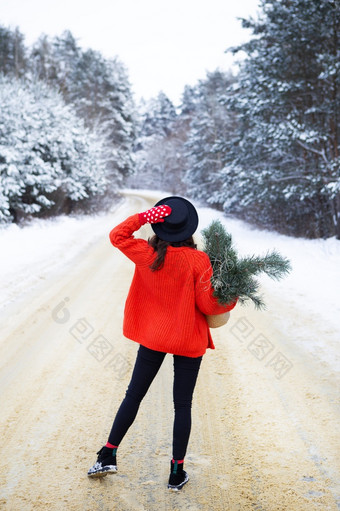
column 48, row 159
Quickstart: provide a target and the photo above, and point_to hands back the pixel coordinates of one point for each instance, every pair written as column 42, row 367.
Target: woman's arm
column 138, row 250
column 123, row 232
column 121, row 237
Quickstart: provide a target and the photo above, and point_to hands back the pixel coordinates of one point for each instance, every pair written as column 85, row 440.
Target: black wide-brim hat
column 180, row 224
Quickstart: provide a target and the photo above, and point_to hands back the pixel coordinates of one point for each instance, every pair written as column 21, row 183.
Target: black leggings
column 146, row 367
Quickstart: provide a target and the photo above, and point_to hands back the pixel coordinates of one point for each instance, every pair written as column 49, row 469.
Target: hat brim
column 165, row 231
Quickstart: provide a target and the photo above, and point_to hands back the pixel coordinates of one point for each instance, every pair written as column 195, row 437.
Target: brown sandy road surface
column 266, row 415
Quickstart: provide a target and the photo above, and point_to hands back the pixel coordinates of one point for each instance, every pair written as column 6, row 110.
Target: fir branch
column 233, row 276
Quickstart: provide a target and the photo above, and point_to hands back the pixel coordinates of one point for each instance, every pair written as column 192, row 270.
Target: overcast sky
column 164, row 44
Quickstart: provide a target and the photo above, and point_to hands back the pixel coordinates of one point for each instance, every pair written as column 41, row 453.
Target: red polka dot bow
column 154, row 215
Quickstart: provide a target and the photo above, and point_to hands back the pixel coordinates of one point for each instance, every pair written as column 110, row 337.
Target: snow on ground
column 29, row 254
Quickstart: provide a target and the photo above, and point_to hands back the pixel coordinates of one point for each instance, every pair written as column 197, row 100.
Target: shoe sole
column 103, row 472
column 178, row 487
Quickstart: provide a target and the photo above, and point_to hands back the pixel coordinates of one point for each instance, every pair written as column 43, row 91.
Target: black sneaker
column 106, row 463
column 178, row 477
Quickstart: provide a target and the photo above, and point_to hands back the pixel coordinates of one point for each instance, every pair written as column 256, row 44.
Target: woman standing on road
column 165, row 310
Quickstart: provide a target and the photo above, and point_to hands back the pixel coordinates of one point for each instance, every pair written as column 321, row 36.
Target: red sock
column 178, row 461
column 110, row 446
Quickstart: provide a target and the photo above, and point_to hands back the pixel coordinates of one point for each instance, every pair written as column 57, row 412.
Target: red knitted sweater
column 165, row 309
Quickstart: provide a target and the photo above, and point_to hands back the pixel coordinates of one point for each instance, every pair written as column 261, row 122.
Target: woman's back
column 165, row 309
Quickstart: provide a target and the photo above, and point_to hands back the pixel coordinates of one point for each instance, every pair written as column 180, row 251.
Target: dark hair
column 161, row 246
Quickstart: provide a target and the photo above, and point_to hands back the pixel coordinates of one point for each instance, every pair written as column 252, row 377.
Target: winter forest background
column 262, row 144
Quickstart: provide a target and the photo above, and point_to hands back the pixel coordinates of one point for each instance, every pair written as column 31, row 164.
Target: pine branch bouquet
column 234, row 276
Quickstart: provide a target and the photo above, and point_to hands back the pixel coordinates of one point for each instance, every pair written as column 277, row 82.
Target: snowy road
column 266, row 412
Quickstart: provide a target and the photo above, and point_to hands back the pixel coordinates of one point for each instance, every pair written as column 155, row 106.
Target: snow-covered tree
column 286, row 152
column 99, row 91
column 159, row 146
column 189, row 100
column 158, row 116
column 48, row 159
column 13, row 61
column 210, row 126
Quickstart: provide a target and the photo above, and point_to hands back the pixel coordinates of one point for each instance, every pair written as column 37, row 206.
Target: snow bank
column 32, row 253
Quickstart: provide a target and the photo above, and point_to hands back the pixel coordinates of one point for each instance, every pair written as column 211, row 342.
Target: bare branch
column 315, row 151
column 291, row 177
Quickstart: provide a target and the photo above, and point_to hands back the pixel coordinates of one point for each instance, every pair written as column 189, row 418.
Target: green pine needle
column 233, row 276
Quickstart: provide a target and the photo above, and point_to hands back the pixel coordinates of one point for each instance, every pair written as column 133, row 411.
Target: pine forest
column 260, row 144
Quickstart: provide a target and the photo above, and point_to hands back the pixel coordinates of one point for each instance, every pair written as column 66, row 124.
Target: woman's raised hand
column 154, row 215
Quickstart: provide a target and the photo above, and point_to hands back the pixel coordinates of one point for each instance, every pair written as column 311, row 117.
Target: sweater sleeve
column 204, row 292
column 121, row 237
